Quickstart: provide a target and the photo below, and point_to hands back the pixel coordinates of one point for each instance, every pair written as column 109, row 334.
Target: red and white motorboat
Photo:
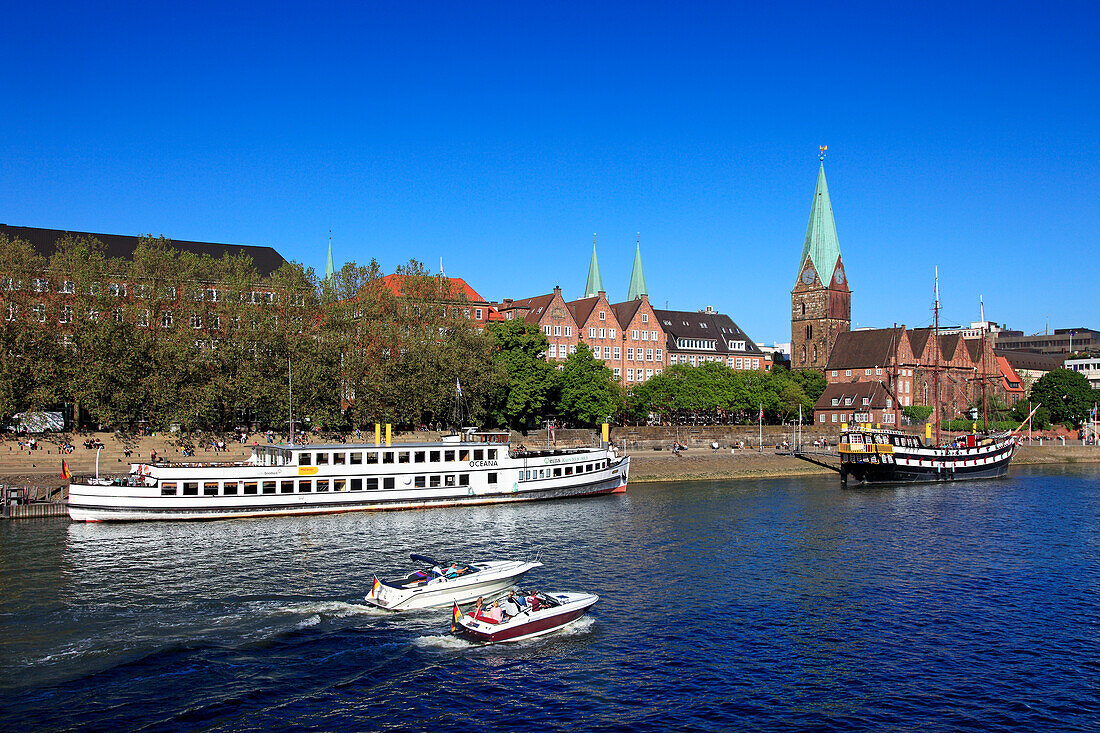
column 539, row 613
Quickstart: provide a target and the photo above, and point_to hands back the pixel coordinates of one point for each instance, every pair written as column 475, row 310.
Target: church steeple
column 330, row 271
column 594, row 286
column 821, row 245
column 821, row 301
column 637, row 278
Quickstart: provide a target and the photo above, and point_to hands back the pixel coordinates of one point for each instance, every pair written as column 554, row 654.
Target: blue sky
column 502, row 136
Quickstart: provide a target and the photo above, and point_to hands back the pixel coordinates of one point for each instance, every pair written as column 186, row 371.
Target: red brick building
column 641, row 340
column 552, row 315
column 598, row 327
column 452, row 293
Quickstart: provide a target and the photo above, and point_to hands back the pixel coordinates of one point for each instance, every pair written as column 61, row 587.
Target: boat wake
column 443, row 641
column 330, row 609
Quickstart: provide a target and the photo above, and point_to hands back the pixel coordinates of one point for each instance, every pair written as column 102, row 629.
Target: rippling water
column 782, row 604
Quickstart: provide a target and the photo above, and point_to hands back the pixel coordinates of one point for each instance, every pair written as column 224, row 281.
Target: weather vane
column 821, row 152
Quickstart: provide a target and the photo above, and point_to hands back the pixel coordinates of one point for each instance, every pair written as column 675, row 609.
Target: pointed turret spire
column 637, row 277
column 822, row 245
column 330, row 271
column 595, row 283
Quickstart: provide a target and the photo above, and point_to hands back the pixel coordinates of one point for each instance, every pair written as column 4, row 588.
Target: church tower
column 821, row 302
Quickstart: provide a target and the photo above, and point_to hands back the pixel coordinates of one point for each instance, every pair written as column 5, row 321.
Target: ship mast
column 985, row 373
column 936, row 366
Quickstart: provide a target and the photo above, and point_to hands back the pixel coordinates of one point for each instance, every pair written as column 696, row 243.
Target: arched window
column 803, row 354
column 815, row 352
column 803, row 309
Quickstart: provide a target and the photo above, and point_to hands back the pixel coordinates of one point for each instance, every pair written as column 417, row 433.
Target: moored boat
column 467, row 469
column 540, row 613
column 441, row 584
column 872, row 456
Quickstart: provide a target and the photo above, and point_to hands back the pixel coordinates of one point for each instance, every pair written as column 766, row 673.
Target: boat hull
column 537, row 623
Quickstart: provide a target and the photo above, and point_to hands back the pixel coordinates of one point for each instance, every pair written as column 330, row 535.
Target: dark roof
column 861, row 349
column 534, row 306
column 974, row 346
column 876, row 391
column 1030, row 361
column 625, row 312
column 265, row 259
column 703, row 325
column 582, row 309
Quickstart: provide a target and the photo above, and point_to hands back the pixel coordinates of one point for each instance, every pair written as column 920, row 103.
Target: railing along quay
column 16, row 503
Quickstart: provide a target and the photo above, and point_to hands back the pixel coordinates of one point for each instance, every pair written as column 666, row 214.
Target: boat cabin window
column 339, row 459
column 251, row 487
column 464, row 455
column 492, row 478
column 286, row 487
column 419, row 456
column 210, row 488
column 479, row 454
column 419, row 482
column 190, row 488
column 387, row 483
column 403, row 456
column 568, row 470
column 357, row 484
column 449, row 480
column 372, row 457
column 305, row 459
column 433, row 456
column 322, row 459
column 229, row 488
column 448, row 455
column 168, row 489
column 372, row 484
column 304, row 487
column 322, row 485
column 434, row 481
column 464, row 479
column 269, row 487
column 557, row 472
column 356, row 458
column 492, row 454
column 339, row 484
column 387, row 457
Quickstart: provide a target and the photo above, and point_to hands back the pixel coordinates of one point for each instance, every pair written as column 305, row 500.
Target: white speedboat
column 548, row 612
column 440, row 584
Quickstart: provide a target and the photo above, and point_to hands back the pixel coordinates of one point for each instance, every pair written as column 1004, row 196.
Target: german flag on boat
column 456, row 614
column 376, row 587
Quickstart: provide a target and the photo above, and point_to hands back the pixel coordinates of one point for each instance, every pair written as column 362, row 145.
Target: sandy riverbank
column 40, row 470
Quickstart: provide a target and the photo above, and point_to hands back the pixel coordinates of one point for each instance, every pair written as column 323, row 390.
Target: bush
column 964, row 426
column 917, row 413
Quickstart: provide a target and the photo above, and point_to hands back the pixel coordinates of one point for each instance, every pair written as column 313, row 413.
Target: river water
column 782, row 604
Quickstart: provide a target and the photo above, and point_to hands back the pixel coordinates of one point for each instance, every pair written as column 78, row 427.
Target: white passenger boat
column 441, row 584
column 472, row 468
column 541, row 613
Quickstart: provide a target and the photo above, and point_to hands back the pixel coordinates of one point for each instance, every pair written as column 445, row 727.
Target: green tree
column 520, row 347
column 1067, row 394
column 589, row 391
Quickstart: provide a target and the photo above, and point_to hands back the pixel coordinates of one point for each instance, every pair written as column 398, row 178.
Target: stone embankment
column 649, row 448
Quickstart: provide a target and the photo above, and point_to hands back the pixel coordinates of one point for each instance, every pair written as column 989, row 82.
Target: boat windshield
column 270, row 456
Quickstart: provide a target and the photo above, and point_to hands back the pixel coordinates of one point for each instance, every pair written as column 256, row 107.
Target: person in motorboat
column 510, row 605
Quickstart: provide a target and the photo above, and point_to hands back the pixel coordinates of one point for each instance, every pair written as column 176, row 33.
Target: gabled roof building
column 695, row 337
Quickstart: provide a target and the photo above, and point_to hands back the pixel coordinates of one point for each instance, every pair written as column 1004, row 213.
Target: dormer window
column 866, row 400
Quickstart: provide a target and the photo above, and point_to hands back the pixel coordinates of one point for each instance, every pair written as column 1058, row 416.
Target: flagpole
column 760, row 425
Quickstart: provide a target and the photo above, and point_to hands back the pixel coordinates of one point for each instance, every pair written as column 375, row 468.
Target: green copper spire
column 595, row 283
column 822, row 245
column 637, row 277
column 330, row 272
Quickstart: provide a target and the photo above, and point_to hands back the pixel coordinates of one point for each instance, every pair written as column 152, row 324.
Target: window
column 357, row 484
column 834, row 417
column 477, row 313
column 448, row 455
column 630, row 375
column 419, row 456
column 603, row 333
column 251, row 487
column 464, row 479
column 387, row 483
column 649, row 354
column 492, row 478
column 387, row 457
column 419, row 482
column 322, row 485
column 847, row 372
column 190, row 488
column 372, row 457
column 64, row 316
column 603, row 316
column 168, row 489
column 170, row 292
column 403, row 456
column 645, row 318
column 618, row 353
column 166, row 319
column 658, row 355
column 591, row 333
column 629, row 353
column 866, row 400
column 287, row 487
column 196, row 320
column 305, row 459
column 755, row 363
column 269, row 487
column 836, row 401
column 41, row 285
column 611, row 333
column 822, row 417
column 67, row 286
column 492, row 454
column 118, row 290
column 449, row 480
column 339, row 458
column 372, row 484
column 553, row 351
column 634, row 334
column 739, row 363
column 433, row 456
